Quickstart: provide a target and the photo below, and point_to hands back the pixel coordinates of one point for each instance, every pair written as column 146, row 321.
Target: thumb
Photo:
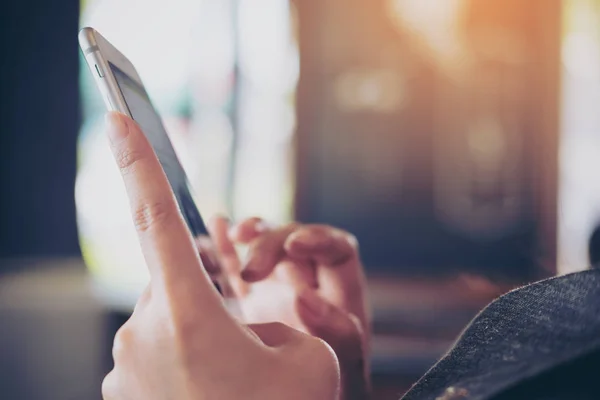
column 344, row 333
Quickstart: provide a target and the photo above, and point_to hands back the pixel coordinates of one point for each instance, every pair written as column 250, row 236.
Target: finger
column 331, row 324
column 207, row 254
column 323, row 244
column 228, row 257
column 143, row 300
column 344, row 333
column 298, row 275
column 276, row 334
column 111, row 389
column 335, row 252
column 172, row 258
column 248, row 230
column 264, row 253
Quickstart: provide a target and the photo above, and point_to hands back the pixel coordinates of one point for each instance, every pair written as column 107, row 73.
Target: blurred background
column 458, row 139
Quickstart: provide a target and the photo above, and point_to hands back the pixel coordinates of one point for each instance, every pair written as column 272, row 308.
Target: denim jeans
column 541, row 341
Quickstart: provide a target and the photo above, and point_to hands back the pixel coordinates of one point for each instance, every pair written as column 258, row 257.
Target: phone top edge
column 93, row 41
column 87, row 40
column 99, row 54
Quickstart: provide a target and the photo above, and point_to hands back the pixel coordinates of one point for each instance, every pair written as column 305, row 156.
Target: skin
column 181, row 342
column 309, row 277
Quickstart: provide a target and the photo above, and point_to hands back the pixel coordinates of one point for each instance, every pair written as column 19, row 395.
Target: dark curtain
column 39, row 121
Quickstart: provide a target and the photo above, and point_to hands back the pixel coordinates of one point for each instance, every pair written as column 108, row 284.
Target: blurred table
column 57, row 326
column 415, row 321
column 52, row 332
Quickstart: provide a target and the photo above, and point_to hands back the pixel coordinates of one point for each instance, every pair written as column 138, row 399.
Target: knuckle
column 319, row 350
column 126, row 158
column 122, row 342
column 149, row 215
column 109, row 386
column 323, row 349
column 323, row 358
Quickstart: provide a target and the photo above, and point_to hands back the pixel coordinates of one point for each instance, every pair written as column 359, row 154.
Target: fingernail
column 313, row 303
column 303, row 238
column 221, row 217
column 248, row 274
column 115, row 127
column 224, row 224
column 260, row 227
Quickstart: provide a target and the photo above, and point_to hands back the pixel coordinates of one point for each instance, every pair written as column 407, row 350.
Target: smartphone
column 123, row 91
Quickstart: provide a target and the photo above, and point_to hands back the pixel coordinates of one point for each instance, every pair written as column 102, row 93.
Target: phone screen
column 143, row 112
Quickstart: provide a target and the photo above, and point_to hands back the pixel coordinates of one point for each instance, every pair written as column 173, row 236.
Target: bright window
column 223, row 76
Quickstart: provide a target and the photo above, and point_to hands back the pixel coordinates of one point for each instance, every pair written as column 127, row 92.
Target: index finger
column 166, row 242
column 264, row 253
